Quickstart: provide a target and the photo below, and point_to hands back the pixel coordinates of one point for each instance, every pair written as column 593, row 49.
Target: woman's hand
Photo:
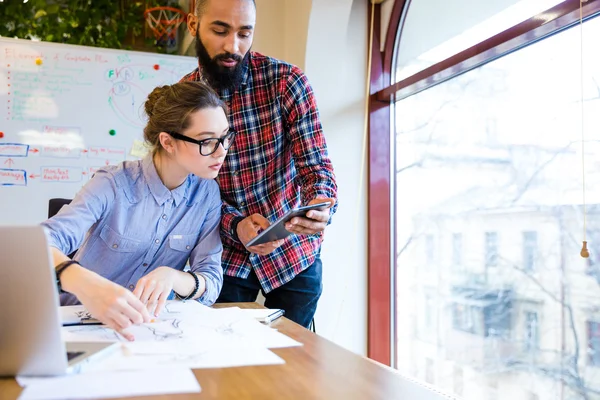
column 154, row 289
column 106, row 301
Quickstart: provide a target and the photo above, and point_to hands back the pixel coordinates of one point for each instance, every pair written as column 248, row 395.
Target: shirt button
column 236, row 173
column 187, row 247
column 156, row 241
column 131, row 287
column 164, row 216
column 145, row 264
column 115, row 246
column 243, row 203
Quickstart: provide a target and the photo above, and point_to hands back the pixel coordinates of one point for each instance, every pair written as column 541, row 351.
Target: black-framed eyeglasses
column 208, row 146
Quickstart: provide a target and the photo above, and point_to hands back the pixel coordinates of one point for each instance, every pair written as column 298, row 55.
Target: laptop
column 30, row 324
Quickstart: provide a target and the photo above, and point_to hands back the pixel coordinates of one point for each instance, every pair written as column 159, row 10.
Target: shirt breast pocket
column 119, row 243
column 182, row 243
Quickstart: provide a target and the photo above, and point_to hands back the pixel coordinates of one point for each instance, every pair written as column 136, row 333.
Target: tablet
column 277, row 229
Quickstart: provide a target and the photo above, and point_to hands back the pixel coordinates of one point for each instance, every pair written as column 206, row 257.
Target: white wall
column 336, row 64
column 328, row 40
column 282, row 28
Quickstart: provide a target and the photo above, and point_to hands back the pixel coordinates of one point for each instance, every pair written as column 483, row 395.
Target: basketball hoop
column 164, row 22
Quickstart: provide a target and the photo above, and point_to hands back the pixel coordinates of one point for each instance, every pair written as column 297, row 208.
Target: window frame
column 383, row 93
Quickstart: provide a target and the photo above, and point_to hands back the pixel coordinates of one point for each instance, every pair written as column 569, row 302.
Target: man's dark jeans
column 298, row 297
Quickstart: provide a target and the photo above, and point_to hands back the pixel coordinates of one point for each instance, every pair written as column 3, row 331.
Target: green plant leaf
column 53, row 8
column 40, row 14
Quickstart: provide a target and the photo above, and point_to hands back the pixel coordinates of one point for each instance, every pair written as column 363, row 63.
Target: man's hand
column 106, row 301
column 315, row 220
column 154, row 289
column 249, row 228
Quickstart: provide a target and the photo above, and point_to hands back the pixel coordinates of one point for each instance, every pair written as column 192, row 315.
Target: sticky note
column 139, row 149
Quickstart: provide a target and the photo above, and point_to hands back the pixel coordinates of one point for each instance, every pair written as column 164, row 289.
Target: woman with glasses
column 136, row 225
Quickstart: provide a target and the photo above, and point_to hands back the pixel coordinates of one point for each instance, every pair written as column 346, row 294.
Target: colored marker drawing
column 13, row 177
column 14, row 150
column 61, row 174
column 60, row 152
column 132, row 83
column 107, row 153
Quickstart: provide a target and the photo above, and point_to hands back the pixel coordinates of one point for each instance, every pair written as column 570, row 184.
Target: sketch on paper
column 163, row 330
column 84, row 314
column 90, row 333
column 187, row 321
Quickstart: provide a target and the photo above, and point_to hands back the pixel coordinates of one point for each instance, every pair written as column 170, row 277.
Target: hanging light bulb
column 584, row 250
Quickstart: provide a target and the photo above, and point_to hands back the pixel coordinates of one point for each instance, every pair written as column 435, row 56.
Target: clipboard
column 277, row 231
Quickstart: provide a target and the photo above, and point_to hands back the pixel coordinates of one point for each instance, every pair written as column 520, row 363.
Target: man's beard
column 218, row 76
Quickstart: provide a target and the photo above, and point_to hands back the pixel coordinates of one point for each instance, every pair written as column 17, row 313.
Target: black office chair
column 54, row 206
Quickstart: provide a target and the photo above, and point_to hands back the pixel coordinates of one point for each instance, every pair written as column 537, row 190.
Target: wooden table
column 319, row 369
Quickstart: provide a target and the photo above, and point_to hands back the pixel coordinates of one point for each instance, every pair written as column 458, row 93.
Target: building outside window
column 530, row 246
column 518, row 200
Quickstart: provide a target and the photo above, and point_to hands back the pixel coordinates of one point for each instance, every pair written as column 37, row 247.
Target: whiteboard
column 66, row 111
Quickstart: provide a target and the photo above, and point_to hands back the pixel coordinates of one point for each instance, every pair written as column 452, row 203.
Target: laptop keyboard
column 72, row 354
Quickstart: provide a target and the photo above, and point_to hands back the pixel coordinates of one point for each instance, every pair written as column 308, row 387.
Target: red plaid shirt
column 278, row 161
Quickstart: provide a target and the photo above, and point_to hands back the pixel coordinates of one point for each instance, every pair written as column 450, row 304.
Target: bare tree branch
column 574, row 362
column 534, row 175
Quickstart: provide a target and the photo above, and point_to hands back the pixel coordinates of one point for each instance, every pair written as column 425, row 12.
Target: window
column 594, row 343
column 458, row 380
column 491, row 131
column 463, row 318
column 492, row 388
column 593, row 261
column 429, row 311
column 529, row 250
column 512, row 190
column 489, row 316
column 429, row 373
column 457, row 244
column 532, row 334
column 421, row 47
column 429, row 249
column 491, row 249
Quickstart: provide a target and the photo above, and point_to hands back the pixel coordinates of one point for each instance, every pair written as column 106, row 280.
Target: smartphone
column 277, row 231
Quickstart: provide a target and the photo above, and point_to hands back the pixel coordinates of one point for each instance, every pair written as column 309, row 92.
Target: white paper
column 258, row 313
column 165, row 327
column 73, row 314
column 145, row 355
column 186, row 334
column 139, row 149
column 112, row 384
column 246, row 333
column 191, row 321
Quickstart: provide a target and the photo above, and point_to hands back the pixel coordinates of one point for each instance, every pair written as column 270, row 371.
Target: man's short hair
column 201, row 5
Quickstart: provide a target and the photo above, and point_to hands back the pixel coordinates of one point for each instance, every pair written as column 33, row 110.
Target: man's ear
column 192, row 24
column 167, row 142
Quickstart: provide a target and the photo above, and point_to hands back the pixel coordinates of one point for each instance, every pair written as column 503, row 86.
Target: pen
column 83, row 321
column 274, row 316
